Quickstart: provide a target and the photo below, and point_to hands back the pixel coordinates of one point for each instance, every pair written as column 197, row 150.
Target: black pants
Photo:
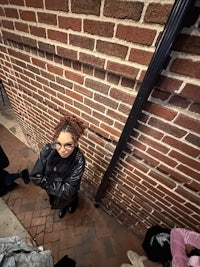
column 58, row 203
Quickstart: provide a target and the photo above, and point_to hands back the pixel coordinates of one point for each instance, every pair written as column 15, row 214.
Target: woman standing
column 60, row 166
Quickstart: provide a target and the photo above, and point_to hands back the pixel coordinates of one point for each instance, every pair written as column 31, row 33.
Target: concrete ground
column 89, row 236
column 10, row 225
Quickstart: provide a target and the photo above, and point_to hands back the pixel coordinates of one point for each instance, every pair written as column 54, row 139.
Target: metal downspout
column 171, row 29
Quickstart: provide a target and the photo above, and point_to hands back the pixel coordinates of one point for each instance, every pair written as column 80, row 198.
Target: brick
column 168, row 84
column 102, row 117
column 4, row 2
column 112, row 49
column 46, row 47
column 100, row 28
column 57, row 101
column 125, row 109
column 42, row 80
column 75, row 96
column 121, row 95
column 64, row 82
column 194, row 139
column 122, row 69
column 160, row 111
column 83, row 90
column 38, row 221
column 94, row 105
column 113, row 78
column 81, row 107
column 47, row 18
column 74, row 77
column 194, row 186
column 114, row 133
column 57, row 87
column 188, row 123
column 166, row 128
column 186, row 67
column 159, row 177
column 135, row 34
column 54, row 69
column 141, row 76
column 92, row 60
column 194, row 198
column 140, row 56
column 21, row 27
column 179, row 101
column 150, row 131
column 147, row 158
column 90, row 7
column 162, row 158
column 126, row 82
column 192, row 91
column 58, row 5
column 29, row 41
column 159, row 94
column 117, row 9
column 57, row 35
column 11, row 13
column 187, row 149
column 2, row 11
column 69, row 23
column 185, row 160
column 157, row 13
column 116, row 116
column 38, row 31
column 35, row 3
column 49, row 237
column 87, row 69
column 195, row 107
column 77, row 65
column 106, row 101
column 8, row 24
column 47, row 76
column 21, row 64
column 27, row 15
column 154, row 144
column 187, row 43
column 99, row 74
column 67, row 53
column 81, row 41
column 98, row 86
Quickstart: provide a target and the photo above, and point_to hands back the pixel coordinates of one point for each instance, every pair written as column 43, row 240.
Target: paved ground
column 90, row 236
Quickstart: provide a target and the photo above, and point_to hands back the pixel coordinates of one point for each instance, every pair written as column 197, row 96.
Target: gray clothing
column 15, row 252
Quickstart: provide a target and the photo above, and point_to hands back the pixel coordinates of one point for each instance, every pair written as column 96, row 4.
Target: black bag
column 65, row 262
column 156, row 244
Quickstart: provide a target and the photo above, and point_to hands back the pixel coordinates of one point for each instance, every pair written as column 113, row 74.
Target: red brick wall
column 89, row 58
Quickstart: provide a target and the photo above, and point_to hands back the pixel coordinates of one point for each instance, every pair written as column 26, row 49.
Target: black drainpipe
column 158, row 60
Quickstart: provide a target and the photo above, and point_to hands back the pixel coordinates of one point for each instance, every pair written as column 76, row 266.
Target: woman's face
column 65, row 144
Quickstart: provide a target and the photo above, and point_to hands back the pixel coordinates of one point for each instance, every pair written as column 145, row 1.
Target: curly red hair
column 69, row 123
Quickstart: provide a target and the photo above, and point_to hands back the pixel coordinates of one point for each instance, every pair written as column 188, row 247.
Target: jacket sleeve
column 38, row 172
column 68, row 187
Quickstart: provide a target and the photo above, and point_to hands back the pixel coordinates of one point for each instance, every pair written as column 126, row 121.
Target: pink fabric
column 178, row 239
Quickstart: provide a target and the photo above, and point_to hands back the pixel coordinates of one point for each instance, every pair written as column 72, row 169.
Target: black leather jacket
column 60, row 177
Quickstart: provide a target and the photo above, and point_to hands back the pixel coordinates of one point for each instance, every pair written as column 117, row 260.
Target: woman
column 183, row 241
column 184, row 248
column 61, row 164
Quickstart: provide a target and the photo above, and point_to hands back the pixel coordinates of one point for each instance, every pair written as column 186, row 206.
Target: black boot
column 62, row 212
column 25, row 176
column 73, row 206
